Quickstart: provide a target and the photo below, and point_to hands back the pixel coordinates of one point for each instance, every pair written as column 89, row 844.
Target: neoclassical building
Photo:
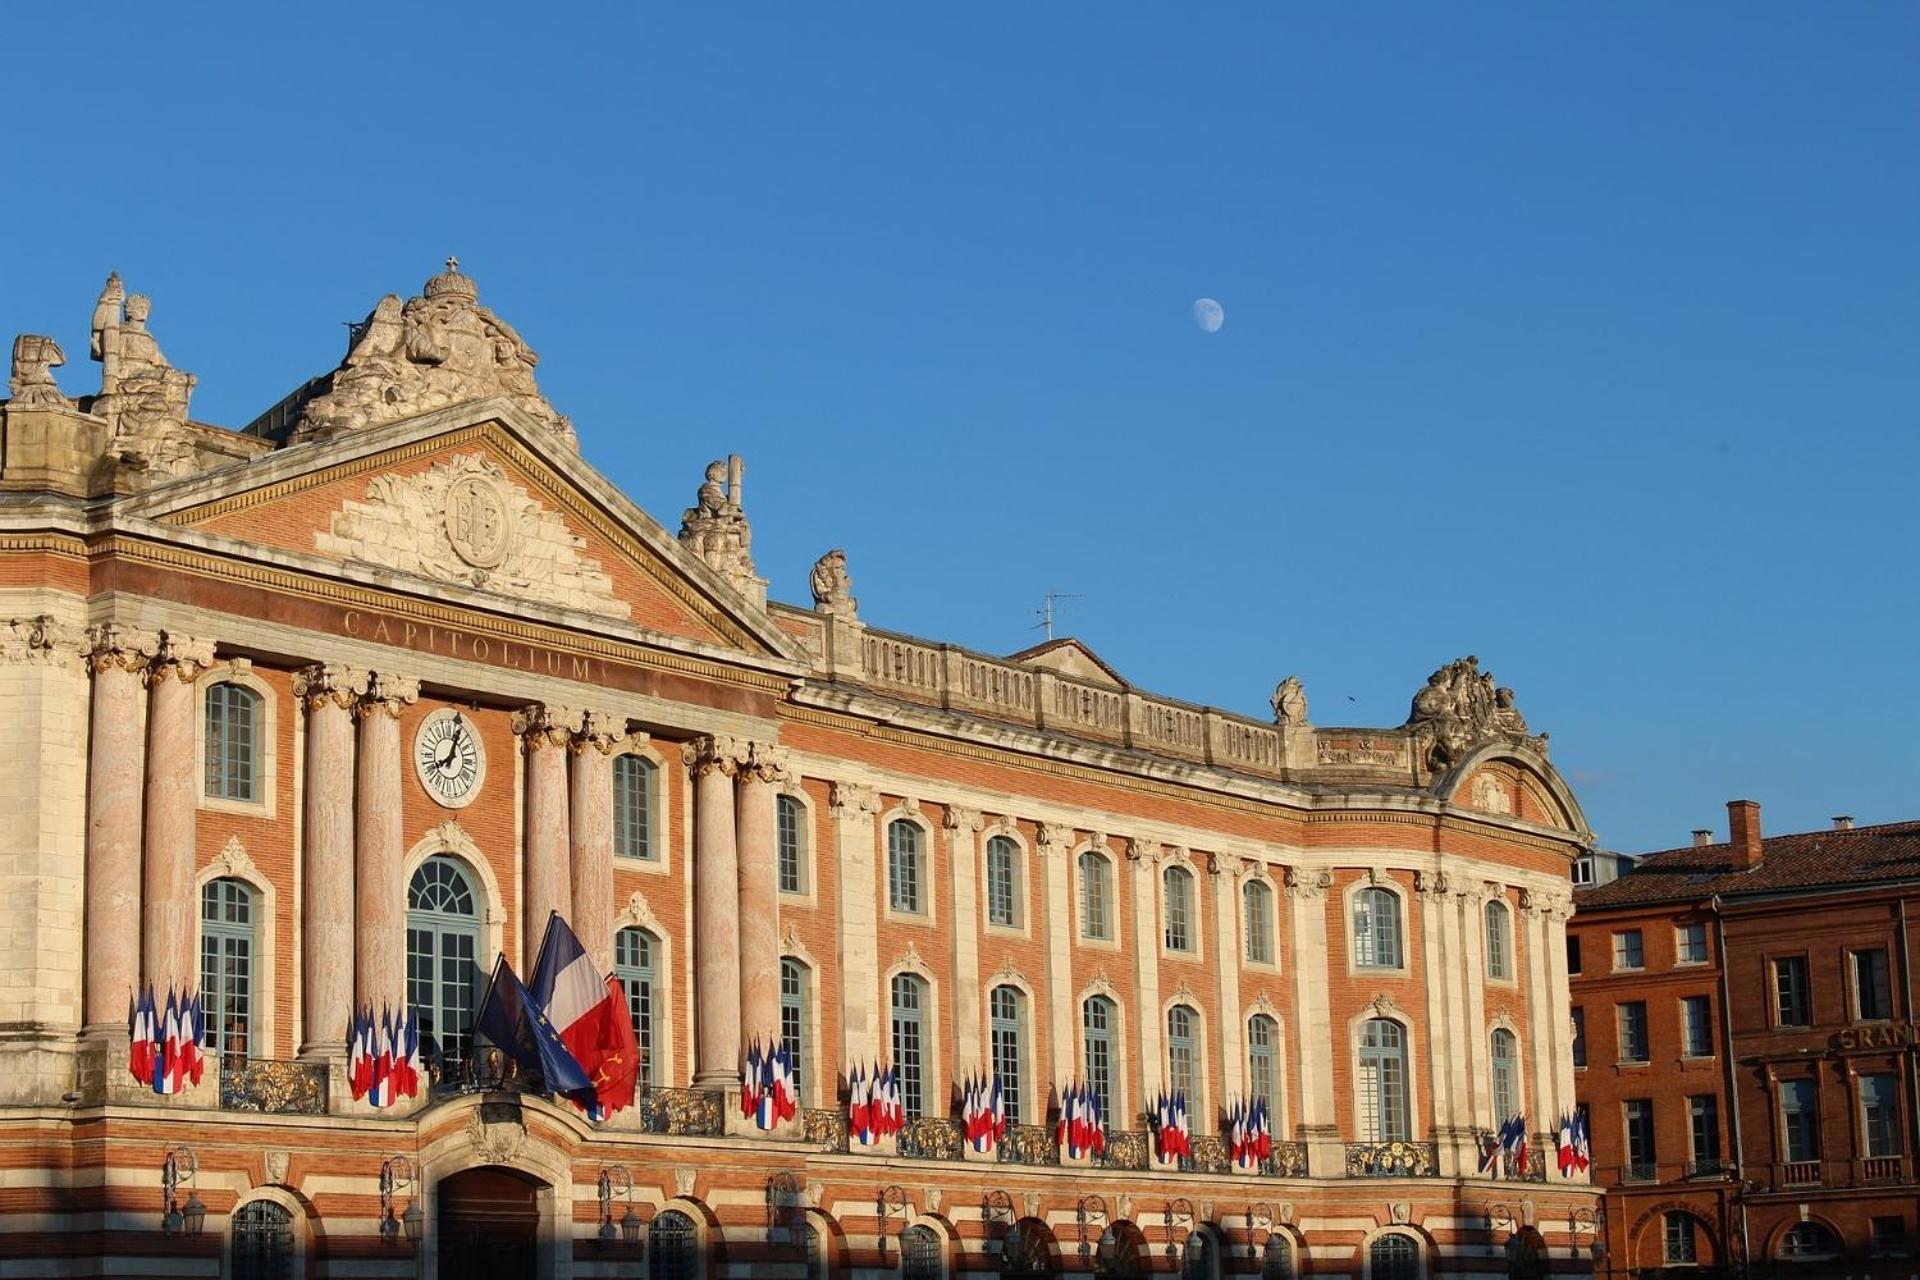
column 329, row 710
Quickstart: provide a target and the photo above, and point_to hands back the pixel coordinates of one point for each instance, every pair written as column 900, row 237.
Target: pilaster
column 854, row 810
column 1143, row 859
column 1313, row 1045
column 963, row 827
column 1223, row 873
column 1053, row 843
column 327, row 693
column 763, row 767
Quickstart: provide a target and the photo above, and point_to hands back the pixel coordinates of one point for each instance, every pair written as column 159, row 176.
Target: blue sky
column 1586, row 339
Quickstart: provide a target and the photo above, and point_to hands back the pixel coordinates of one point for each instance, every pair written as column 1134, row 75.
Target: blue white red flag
column 591, row 1016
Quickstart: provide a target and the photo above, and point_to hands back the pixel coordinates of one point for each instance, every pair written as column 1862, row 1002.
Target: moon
column 1209, row 315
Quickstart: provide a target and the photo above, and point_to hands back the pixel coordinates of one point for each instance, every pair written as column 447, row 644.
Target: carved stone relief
column 32, row 385
column 1460, row 708
column 833, row 587
column 142, row 397
column 715, row 528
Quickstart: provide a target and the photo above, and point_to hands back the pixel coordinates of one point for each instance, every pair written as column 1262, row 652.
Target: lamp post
column 396, row 1175
column 177, row 1166
column 617, row 1177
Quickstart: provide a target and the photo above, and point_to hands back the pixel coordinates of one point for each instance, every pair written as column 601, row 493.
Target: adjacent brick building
column 1744, row 1047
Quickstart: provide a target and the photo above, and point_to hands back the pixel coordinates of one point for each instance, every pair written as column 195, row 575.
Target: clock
column 449, row 758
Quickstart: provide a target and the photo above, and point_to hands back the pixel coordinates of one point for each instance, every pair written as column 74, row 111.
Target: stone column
column 379, row 894
column 590, row 832
column 1439, row 963
column 1054, row 844
column 1225, row 872
column 169, row 908
column 1319, row 1124
column 963, row 827
column 756, row 786
column 117, row 655
column 716, row 912
column 545, row 731
column 327, row 692
column 861, row 1031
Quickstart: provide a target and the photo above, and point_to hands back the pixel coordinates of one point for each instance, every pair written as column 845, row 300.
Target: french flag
column 785, row 1093
column 143, row 1041
column 860, row 1106
column 166, row 1078
column 590, row 1013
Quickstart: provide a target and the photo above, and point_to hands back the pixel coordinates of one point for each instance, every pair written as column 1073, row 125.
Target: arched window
column 1276, row 1259
column 818, row 1265
column 1003, row 882
column 1006, row 1010
column 1376, row 929
column 791, row 822
column 233, row 741
column 793, row 1018
column 1504, row 1056
column 1183, row 1054
column 1099, row 1025
column 1257, row 903
column 909, row 1006
column 1096, row 897
column 1527, row 1255
column 1117, row 1255
column 1263, row 1076
column 262, row 1242
column 1809, row 1242
column 1393, row 1257
column 1499, row 941
column 1027, row 1249
column 1200, row 1260
column 1383, row 1082
column 633, row 964
column 635, row 790
column 443, row 937
column 1178, row 885
column 227, row 950
column 921, row 1257
column 904, row 891
column 1679, row 1242
column 673, row 1251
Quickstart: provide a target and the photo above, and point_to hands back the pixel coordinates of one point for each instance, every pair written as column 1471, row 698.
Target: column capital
column 602, row 731
column 851, row 800
column 41, row 638
column 180, row 656
column 714, row 753
column 1308, row 882
column 1432, row 885
column 388, row 693
column 959, row 819
column 765, row 762
column 1052, row 838
column 546, row 724
column 1139, row 850
column 112, row 647
column 328, row 684
column 1225, row 864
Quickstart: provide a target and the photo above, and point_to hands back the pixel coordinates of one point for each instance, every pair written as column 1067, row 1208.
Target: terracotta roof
column 1809, row 860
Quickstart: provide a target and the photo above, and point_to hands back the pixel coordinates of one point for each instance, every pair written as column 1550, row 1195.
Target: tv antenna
column 1046, row 614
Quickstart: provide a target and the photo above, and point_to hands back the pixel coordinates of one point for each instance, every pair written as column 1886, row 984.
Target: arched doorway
column 1027, row 1252
column 488, row 1221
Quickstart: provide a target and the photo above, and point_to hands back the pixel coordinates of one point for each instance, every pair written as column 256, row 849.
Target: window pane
column 1498, row 963
column 633, row 788
column 633, row 951
column 1383, row 1082
column 903, row 866
column 1506, row 1071
column 1627, row 950
column 1696, row 1027
column 793, row 1012
column 1259, row 922
column 1004, row 1012
column 1880, row 1114
column 1800, row 1115
column 790, row 815
column 1703, row 1118
column 1263, row 1035
column 1633, row 1031
column 1873, row 1001
column 1178, row 886
column 1097, row 1019
column 1579, row 1037
column 1002, row 882
column 1794, row 1001
column 1183, row 1054
column 1095, row 897
column 908, row 1001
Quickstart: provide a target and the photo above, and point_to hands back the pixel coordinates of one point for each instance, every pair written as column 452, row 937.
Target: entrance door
column 489, row 1224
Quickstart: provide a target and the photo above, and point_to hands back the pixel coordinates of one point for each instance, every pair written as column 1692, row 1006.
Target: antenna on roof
column 1046, row 614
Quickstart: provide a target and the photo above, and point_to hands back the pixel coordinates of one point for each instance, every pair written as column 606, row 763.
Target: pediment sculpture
column 142, row 397
column 715, row 528
column 1460, row 708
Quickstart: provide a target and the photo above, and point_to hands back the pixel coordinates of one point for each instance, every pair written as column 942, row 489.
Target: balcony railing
column 825, row 1129
column 1800, row 1173
column 932, row 1138
column 1391, row 1160
column 1289, row 1160
column 1129, row 1149
column 693, row 1113
column 1710, row 1167
column 1535, row 1170
column 1209, row 1156
column 1641, row 1171
column 1882, row 1169
column 282, row 1088
column 1029, row 1144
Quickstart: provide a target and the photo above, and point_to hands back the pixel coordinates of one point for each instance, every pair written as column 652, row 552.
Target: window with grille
column 1678, row 1245
column 1633, row 1031
column 793, row 1018
column 633, row 953
column 443, row 939
column 1177, row 885
column 1099, row 1026
column 1276, row 1258
column 921, row 1257
column 1499, row 941
column 262, row 1242
column 1629, row 951
column 1257, row 902
column 1792, row 998
column 233, row 741
column 903, row 866
column 1872, row 998
column 673, row 1251
column 1183, row 1054
column 909, row 1004
column 1006, row 1014
column 1393, row 1257
column 1703, row 1124
column 1003, row 882
column 227, row 949
column 1504, row 1055
column 1263, row 1076
column 1690, row 943
column 1880, row 1114
column 634, row 783
column 1696, row 1026
column 1376, row 929
column 1384, row 1113
column 1800, row 1119
column 790, row 821
column 1096, row 897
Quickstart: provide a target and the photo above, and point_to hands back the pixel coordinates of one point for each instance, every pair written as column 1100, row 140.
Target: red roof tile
column 1809, row 860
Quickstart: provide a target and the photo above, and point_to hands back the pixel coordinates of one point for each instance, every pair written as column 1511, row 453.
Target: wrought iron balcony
column 1391, row 1160
column 1128, row 1149
column 1209, row 1156
column 825, row 1129
column 1289, row 1160
column 1536, row 1170
column 275, row 1087
column 932, row 1138
column 1029, row 1144
column 682, row 1112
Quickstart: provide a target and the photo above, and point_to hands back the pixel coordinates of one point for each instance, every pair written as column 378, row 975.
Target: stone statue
column 715, row 528
column 34, row 359
column 1459, row 708
column 1290, row 703
column 434, row 350
column 833, row 588
column 142, row 396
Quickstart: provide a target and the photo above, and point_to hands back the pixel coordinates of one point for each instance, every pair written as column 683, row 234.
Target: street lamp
column 617, row 1177
column 396, row 1175
column 177, row 1166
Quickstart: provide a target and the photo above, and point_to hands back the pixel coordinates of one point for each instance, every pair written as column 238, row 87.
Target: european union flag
column 514, row 1021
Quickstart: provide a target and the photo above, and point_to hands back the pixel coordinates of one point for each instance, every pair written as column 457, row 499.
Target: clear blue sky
column 1584, row 338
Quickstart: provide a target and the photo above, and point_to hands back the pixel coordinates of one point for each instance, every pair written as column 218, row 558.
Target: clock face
column 449, row 758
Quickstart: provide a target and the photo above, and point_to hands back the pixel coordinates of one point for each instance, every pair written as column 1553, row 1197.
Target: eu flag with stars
column 515, row 1022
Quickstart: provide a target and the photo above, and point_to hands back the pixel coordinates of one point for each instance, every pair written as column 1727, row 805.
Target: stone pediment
column 1070, row 658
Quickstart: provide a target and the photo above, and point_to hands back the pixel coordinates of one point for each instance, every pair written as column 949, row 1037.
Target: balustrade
column 1391, row 1160
column 681, row 1112
column 1800, row 1173
column 1029, row 1144
column 932, row 1138
column 274, row 1087
column 1881, row 1169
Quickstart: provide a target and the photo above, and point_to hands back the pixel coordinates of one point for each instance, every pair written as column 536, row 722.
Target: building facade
column 326, row 712
column 1743, row 1013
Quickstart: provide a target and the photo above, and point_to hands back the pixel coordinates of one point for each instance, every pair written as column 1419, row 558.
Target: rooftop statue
column 35, row 357
column 1459, row 708
column 434, row 350
column 1289, row 703
column 833, row 586
column 715, row 528
column 142, row 397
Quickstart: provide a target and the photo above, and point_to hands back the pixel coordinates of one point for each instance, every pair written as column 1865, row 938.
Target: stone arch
column 450, row 839
column 1646, row 1237
column 471, row 1133
column 234, row 863
column 943, row 1229
column 1424, row 1248
column 1534, row 771
column 304, row 1222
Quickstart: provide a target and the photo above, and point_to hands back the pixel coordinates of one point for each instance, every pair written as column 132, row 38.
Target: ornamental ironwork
column 693, row 1113
column 1289, row 1160
column 1129, row 1149
column 274, row 1087
column 1209, row 1156
column 825, row 1129
column 1390, row 1160
column 932, row 1138
column 1029, row 1144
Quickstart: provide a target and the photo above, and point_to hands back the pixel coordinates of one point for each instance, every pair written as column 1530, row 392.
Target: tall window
column 1276, row 1259
column 1183, row 1054
column 1690, row 944
column 1880, row 1114
column 921, row 1257
column 791, row 824
column 1504, row 1054
column 1628, row 950
column 1006, row 1013
column 1394, row 1257
column 1872, row 999
column 443, row 937
column 1703, row 1131
column 1678, row 1248
column 1573, row 953
column 1096, row 897
column 1499, row 941
column 1579, row 1037
column 909, row 1005
column 1800, row 1119
column 262, row 1242
column 1641, row 1157
column 1257, row 904
column 1003, row 882
column 1376, row 929
column 673, row 1252
column 1384, row 1113
column 1696, row 1026
column 903, row 866
column 226, row 967
column 1633, row 1031
column 634, row 784
column 233, row 743
column 1791, row 995
column 1200, row 1260
column 1178, row 885
column 793, row 1018
column 1263, row 1039
column 1099, row 1026
column 633, row 952
column 1809, row 1242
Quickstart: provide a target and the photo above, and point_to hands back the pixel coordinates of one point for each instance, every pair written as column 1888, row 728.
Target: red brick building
column 1744, row 1048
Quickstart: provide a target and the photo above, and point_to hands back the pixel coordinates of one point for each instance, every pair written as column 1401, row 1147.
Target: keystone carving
column 1460, row 708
